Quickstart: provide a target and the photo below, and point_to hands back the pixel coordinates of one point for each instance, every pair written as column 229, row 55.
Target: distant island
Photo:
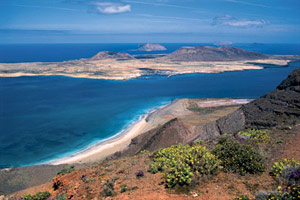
column 103, row 55
column 207, row 53
column 123, row 66
column 151, row 47
column 222, row 43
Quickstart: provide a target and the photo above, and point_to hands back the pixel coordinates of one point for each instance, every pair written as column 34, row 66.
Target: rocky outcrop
column 175, row 131
column 103, row 55
column 151, row 47
column 207, row 53
column 172, row 132
column 279, row 107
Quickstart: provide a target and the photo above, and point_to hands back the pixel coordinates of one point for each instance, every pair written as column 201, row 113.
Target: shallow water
column 46, row 117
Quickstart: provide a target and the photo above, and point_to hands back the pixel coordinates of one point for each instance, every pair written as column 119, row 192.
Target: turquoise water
column 47, row 117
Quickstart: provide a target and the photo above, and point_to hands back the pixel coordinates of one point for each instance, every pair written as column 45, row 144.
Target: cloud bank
column 228, row 20
column 111, row 7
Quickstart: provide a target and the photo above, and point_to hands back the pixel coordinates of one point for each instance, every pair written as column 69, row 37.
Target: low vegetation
column 242, row 197
column 37, row 196
column 260, row 136
column 66, row 170
column 180, row 163
column 238, row 157
column 108, row 189
column 279, row 167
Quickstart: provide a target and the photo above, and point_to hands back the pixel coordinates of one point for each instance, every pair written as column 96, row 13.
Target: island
column 151, row 47
column 122, row 66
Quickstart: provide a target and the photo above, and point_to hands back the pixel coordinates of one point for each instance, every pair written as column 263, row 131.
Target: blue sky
column 136, row 21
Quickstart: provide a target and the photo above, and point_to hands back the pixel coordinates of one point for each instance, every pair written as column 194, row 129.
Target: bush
column 289, row 193
column 179, row 163
column 108, row 189
column 144, row 152
column 242, row 197
column 290, row 175
column 140, row 174
column 66, row 170
column 124, row 188
column 278, row 167
column 260, row 136
column 238, row 157
column 61, row 197
column 37, row 196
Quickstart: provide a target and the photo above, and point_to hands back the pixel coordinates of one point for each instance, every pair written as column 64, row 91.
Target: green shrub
column 238, row 157
column 278, row 167
column 261, row 136
column 242, row 197
column 108, row 189
column 289, row 193
column 61, row 197
column 37, row 196
column 179, row 163
column 144, row 152
column 66, row 170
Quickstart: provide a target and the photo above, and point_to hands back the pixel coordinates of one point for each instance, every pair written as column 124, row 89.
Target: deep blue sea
column 13, row 53
column 47, row 117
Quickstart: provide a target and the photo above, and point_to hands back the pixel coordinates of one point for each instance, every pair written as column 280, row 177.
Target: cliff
column 207, row 53
column 279, row 107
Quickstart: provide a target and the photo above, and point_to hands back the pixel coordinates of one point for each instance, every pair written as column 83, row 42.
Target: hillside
column 103, row 55
column 279, row 107
column 207, row 53
column 128, row 177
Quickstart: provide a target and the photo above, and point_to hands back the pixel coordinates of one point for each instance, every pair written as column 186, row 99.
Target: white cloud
column 157, row 4
column 228, row 20
column 248, row 3
column 110, row 7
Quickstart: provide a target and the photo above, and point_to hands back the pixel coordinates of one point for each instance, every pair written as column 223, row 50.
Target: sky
column 140, row 21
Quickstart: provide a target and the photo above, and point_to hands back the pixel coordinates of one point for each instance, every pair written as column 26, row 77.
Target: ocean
column 14, row 53
column 47, row 117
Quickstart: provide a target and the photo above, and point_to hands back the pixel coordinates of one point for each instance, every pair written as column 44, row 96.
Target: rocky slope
column 281, row 106
column 207, row 53
column 176, row 131
column 103, row 55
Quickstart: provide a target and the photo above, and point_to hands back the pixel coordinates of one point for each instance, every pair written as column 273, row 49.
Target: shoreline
column 131, row 69
column 154, row 117
column 100, row 150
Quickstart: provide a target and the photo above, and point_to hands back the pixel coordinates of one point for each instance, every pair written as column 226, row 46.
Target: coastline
column 106, row 147
column 113, row 69
column 155, row 117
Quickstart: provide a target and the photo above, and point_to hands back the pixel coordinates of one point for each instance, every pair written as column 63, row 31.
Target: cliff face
column 279, row 107
column 207, row 53
column 176, row 131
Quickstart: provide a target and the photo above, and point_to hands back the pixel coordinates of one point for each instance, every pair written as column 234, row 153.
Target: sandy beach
column 154, row 118
column 103, row 149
